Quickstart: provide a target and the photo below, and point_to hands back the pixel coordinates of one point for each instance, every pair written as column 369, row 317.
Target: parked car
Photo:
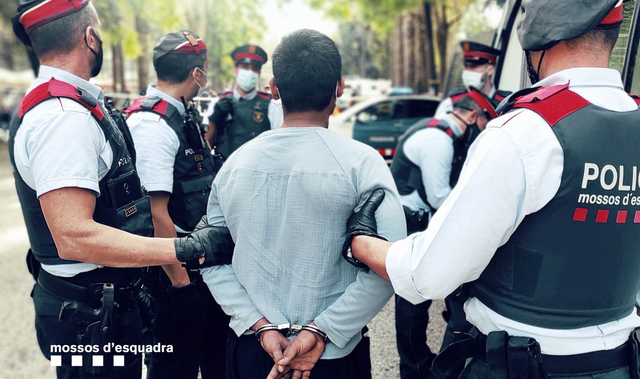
column 380, row 121
column 396, row 91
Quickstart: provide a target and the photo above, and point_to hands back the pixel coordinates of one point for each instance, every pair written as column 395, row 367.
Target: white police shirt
column 58, row 145
column 514, row 169
column 156, row 146
column 274, row 113
column 431, row 149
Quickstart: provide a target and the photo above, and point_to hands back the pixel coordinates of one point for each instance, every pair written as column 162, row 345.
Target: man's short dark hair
column 62, row 35
column 176, row 68
column 598, row 39
column 306, row 68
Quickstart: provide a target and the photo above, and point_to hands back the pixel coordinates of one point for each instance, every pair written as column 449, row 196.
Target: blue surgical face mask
column 247, row 79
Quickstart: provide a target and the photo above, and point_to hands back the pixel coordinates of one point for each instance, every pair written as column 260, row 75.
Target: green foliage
column 223, row 25
column 364, row 53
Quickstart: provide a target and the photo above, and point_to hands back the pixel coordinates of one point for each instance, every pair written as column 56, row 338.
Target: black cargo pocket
column 135, row 217
column 195, row 197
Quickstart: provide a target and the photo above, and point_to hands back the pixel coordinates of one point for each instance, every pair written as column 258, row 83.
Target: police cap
column 547, row 22
column 482, row 100
column 180, row 42
column 250, row 54
column 32, row 14
column 475, row 53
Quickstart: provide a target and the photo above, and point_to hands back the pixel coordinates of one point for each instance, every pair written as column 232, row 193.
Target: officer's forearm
column 372, row 252
column 163, row 227
column 69, row 216
column 95, row 243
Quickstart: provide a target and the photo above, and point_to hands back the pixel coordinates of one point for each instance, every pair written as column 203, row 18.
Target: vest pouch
column 124, row 189
column 195, row 196
column 134, row 217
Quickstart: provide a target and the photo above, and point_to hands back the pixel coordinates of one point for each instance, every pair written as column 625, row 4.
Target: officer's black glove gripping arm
column 212, row 243
column 363, row 223
column 221, row 111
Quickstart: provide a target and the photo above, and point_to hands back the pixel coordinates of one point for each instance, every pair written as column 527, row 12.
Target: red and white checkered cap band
column 188, row 48
column 49, row 10
column 615, row 16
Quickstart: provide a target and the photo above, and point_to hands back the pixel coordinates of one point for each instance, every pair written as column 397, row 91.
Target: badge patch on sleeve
column 258, row 116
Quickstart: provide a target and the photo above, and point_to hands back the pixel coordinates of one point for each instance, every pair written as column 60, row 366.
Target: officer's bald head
column 64, row 34
column 306, row 68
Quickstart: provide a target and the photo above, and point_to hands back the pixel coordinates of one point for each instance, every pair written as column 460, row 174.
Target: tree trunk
column 143, row 59
column 442, row 35
column 430, row 55
column 409, row 67
column 419, row 62
column 118, row 69
column 396, row 54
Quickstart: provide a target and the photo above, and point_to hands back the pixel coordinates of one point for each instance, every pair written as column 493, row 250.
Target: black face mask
column 97, row 65
column 534, row 75
column 470, row 133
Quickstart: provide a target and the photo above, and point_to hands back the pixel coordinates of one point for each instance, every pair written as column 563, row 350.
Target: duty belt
column 92, row 295
column 520, row 357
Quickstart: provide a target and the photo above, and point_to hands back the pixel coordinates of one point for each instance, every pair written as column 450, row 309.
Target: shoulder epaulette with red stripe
column 146, row 104
column 552, row 103
column 435, row 123
column 264, row 95
column 57, row 88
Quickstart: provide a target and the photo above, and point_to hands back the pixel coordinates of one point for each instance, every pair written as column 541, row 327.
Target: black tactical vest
column 122, row 203
column 249, row 119
column 407, row 174
column 576, row 262
column 193, row 169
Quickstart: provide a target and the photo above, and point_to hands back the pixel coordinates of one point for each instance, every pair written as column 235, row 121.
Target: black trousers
column 411, row 336
column 197, row 345
column 248, row 360
column 51, row 332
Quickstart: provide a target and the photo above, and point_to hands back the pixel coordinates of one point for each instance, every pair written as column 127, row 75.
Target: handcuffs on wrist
column 290, row 331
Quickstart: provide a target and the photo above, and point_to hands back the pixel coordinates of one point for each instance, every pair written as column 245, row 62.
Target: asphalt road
column 20, row 356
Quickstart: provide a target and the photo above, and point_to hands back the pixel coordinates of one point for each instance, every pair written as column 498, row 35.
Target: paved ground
column 20, row 357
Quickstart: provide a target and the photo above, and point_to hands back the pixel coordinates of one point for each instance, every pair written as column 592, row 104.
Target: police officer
column 427, row 165
column 176, row 167
column 85, row 210
column 479, row 65
column 544, row 205
column 239, row 115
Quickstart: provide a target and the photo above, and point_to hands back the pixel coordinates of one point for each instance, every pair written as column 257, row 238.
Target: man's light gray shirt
column 286, row 196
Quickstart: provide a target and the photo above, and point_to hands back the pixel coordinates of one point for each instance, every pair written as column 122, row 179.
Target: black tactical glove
column 363, row 223
column 185, row 304
column 211, row 242
column 146, row 303
column 221, row 110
